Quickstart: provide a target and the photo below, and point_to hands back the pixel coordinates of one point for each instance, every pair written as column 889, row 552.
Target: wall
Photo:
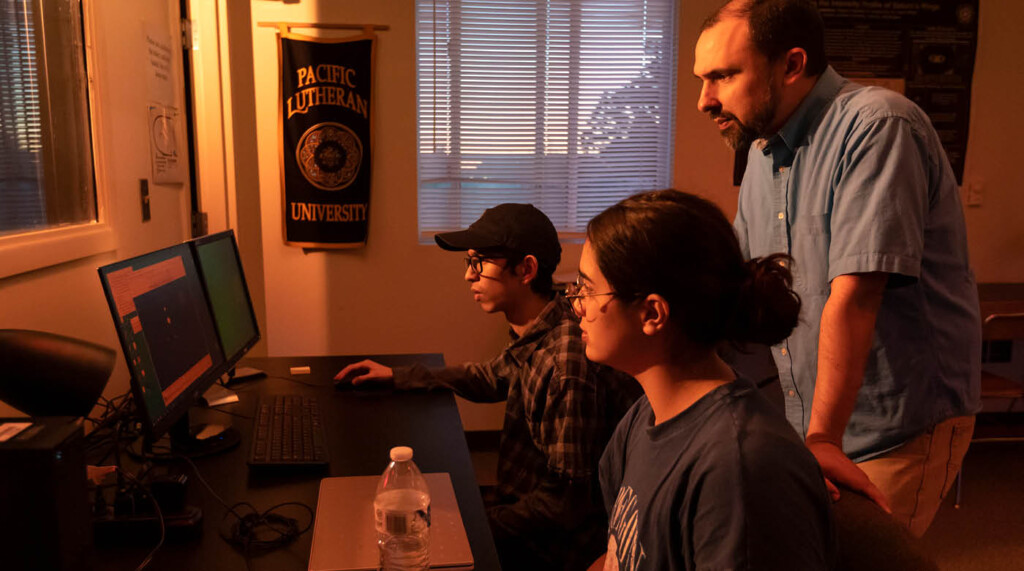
column 67, row 298
column 994, row 231
column 398, row 296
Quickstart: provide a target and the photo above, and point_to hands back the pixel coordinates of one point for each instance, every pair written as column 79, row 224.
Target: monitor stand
column 196, row 441
column 238, row 374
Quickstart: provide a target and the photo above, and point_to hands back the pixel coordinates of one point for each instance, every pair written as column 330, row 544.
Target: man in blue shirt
column 881, row 377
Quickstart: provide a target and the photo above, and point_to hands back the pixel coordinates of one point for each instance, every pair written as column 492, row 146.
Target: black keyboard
column 288, row 430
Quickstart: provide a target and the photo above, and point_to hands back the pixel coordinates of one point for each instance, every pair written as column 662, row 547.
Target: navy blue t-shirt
column 725, row 484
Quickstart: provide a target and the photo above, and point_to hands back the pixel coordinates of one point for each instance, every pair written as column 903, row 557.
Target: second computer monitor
column 220, row 267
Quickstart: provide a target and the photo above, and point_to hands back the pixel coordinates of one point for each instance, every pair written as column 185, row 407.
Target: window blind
column 22, row 201
column 46, row 168
column 568, row 105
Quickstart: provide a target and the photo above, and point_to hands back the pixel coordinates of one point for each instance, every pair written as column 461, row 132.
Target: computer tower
column 43, row 494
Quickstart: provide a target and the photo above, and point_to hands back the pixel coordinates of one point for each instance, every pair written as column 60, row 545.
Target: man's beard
column 740, row 135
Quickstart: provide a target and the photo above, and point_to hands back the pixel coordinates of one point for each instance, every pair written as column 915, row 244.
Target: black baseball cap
column 519, row 228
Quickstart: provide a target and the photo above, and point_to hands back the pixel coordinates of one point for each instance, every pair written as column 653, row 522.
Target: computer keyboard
column 288, row 430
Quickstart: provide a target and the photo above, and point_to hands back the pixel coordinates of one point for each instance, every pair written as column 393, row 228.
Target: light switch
column 144, row 194
column 974, row 193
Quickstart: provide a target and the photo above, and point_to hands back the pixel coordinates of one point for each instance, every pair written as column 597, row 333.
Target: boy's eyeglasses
column 476, row 263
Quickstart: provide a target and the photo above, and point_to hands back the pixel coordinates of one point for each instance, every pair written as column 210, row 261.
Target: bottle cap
column 401, row 454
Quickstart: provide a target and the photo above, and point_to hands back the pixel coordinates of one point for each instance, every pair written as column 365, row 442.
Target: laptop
column 344, row 537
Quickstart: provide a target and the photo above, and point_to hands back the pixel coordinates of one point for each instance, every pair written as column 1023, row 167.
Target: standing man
column 881, row 377
column 561, row 408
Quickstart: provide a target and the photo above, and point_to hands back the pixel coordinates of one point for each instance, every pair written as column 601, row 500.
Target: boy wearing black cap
column 560, row 409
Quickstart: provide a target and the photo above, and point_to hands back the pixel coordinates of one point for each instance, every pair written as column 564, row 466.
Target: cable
column 159, row 515
column 253, row 532
column 249, row 533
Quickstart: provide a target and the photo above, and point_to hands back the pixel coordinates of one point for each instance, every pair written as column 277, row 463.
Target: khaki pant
column 916, row 476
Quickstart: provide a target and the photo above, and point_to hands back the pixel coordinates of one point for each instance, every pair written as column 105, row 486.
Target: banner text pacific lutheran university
column 326, row 95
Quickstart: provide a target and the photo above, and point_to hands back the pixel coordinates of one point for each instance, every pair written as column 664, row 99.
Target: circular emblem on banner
column 329, row 155
column 965, row 13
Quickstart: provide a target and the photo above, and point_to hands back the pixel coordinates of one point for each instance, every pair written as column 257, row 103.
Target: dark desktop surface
column 361, row 426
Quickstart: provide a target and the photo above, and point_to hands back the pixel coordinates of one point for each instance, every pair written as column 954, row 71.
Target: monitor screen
column 220, row 268
column 167, row 334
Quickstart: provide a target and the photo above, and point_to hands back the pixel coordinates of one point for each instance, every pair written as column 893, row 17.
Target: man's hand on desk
column 364, row 372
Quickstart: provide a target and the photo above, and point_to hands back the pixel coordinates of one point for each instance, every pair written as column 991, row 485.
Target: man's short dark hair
column 777, row 26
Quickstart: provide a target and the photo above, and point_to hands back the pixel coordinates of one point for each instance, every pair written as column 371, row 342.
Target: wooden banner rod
column 376, row 27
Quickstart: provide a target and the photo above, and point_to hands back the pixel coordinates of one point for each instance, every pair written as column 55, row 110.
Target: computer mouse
column 345, row 383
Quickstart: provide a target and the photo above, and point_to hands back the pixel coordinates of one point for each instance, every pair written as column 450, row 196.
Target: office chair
column 998, row 326
column 1002, row 326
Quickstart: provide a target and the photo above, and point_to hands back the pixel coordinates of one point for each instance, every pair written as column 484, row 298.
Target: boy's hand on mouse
column 365, row 371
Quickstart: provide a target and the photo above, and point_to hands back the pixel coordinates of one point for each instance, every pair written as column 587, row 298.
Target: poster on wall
column 166, row 165
column 159, row 62
column 325, row 138
column 922, row 49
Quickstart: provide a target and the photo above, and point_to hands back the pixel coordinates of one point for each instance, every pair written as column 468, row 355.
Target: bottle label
column 401, row 523
column 397, row 524
column 402, row 512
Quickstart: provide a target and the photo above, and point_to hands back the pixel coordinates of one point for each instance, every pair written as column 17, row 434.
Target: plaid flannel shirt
column 560, row 412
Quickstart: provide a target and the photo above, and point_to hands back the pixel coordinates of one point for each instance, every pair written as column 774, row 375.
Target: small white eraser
column 299, row 370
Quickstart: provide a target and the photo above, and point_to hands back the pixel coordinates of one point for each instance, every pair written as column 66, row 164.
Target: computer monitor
column 220, row 268
column 169, row 341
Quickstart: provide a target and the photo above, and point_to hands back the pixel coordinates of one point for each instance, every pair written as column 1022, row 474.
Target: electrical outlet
column 974, row 193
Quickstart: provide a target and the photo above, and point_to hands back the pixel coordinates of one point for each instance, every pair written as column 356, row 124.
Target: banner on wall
column 325, row 108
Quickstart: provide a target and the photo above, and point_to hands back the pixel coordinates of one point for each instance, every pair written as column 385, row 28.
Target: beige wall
column 995, row 230
column 67, row 298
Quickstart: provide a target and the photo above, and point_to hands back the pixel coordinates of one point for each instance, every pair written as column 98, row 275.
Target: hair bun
column 767, row 309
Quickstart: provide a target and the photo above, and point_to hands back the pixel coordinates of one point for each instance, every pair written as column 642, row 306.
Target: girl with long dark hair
column 703, row 472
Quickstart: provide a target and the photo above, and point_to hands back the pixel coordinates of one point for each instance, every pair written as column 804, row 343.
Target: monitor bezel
column 229, row 360
column 179, row 407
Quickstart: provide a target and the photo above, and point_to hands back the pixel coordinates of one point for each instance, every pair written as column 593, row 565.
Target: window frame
column 37, row 249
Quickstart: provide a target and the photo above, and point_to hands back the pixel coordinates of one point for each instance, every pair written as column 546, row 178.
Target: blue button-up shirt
column 857, row 181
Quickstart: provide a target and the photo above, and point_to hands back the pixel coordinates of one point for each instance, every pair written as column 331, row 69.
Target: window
column 567, row 104
column 46, row 160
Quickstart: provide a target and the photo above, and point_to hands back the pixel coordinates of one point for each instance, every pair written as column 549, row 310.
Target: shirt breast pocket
column 810, row 238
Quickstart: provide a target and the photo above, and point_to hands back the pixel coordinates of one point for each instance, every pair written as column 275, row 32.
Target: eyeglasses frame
column 576, row 299
column 478, row 266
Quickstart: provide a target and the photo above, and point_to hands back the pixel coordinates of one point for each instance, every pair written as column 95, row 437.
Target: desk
column 362, row 426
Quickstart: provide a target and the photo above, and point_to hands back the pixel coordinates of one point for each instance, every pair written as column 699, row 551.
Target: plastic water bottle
column 402, row 514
